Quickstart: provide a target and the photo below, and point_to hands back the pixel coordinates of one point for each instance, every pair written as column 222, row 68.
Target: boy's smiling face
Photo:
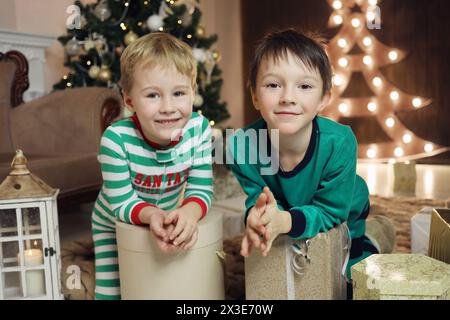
column 162, row 98
column 288, row 94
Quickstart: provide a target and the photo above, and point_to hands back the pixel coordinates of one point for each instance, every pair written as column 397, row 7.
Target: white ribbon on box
column 294, row 253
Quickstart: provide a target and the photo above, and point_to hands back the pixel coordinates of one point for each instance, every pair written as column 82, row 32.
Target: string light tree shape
column 388, row 100
column 98, row 32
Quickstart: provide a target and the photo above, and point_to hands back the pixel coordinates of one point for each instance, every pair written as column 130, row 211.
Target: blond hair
column 157, row 49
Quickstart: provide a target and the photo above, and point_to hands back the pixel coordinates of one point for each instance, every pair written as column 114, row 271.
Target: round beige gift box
column 148, row 273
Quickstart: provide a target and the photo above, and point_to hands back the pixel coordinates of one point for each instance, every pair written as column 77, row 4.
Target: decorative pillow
column 7, row 70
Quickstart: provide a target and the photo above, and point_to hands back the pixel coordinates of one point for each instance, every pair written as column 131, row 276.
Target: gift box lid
column 138, row 238
column 405, row 274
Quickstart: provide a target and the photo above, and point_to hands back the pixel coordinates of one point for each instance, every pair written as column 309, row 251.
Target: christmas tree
column 355, row 18
column 97, row 34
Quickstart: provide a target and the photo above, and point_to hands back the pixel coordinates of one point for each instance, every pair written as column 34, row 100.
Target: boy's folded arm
column 199, row 187
column 247, row 175
column 331, row 202
column 252, row 185
column 117, row 187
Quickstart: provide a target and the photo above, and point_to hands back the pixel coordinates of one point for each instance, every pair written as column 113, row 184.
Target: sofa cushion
column 7, row 70
column 68, row 173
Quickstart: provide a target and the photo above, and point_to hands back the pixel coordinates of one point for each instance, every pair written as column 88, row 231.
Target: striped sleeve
column 116, row 179
column 199, row 186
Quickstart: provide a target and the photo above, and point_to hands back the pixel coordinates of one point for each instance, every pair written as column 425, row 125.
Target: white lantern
column 30, row 264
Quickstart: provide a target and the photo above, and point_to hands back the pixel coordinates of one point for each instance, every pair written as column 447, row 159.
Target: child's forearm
column 146, row 213
column 194, row 208
column 286, row 223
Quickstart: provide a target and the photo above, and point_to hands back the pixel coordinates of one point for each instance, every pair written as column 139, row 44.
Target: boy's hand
column 254, row 227
column 190, row 242
column 275, row 222
column 155, row 218
column 185, row 220
column 165, row 245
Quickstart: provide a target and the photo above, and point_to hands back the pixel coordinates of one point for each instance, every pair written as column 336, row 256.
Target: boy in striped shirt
column 147, row 159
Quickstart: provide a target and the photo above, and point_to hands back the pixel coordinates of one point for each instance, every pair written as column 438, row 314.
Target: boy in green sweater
column 316, row 187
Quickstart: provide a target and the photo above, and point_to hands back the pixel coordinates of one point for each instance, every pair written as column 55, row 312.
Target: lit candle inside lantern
column 34, row 278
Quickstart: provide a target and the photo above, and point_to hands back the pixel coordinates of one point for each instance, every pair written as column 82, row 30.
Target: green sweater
column 321, row 192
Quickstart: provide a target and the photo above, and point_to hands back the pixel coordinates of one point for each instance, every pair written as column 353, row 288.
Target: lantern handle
column 19, row 164
column 50, row 251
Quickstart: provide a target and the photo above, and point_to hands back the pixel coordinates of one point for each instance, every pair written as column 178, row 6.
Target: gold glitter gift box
column 297, row 270
column 401, row 277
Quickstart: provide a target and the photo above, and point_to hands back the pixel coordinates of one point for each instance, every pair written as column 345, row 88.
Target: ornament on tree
column 191, row 5
column 186, row 19
column 216, row 56
column 199, row 54
column 200, row 31
column 88, row 45
column 155, row 22
column 130, row 37
column 102, row 10
column 83, row 22
column 198, row 100
column 94, row 72
column 209, row 64
column 105, row 74
column 164, row 10
column 72, row 47
column 94, row 60
column 101, row 45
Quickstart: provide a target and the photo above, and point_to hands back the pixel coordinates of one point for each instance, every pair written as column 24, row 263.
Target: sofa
column 59, row 133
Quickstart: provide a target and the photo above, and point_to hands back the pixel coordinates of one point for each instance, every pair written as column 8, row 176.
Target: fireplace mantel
column 33, row 47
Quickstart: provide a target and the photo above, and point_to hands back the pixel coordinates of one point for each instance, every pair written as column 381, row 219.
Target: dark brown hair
column 308, row 48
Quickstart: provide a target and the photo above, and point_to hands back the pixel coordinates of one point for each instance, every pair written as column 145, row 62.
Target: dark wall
column 419, row 27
